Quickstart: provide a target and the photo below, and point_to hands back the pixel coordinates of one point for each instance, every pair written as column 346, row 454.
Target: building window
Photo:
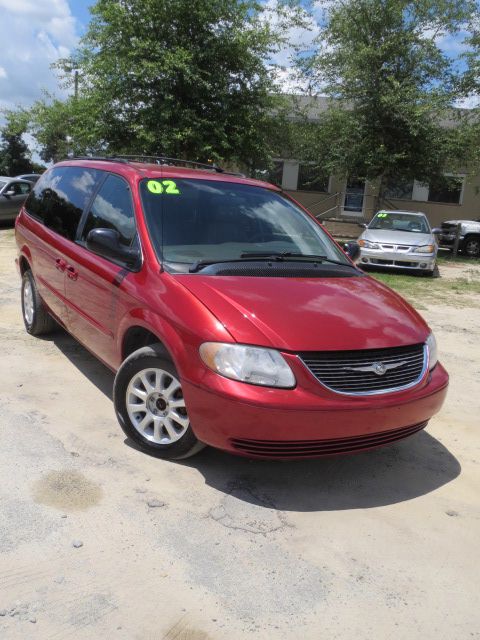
column 311, row 178
column 274, row 175
column 399, row 190
column 447, row 189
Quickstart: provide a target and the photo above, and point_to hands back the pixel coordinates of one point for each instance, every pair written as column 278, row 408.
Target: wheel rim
column 473, row 247
column 28, row 302
column 156, row 407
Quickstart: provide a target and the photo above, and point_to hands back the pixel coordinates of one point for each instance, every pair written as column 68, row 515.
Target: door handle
column 60, row 264
column 71, row 272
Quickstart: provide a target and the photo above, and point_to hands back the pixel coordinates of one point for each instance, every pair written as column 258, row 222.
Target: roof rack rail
column 160, row 160
column 103, row 158
column 170, row 161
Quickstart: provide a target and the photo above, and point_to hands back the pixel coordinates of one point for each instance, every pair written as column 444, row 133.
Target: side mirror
column 436, row 231
column 106, row 243
column 363, row 225
column 352, row 249
column 9, row 193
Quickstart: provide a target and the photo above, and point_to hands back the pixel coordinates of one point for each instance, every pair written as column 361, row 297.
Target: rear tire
column 36, row 318
column 149, row 404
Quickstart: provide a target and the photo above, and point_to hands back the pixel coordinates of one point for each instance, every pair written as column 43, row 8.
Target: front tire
column 149, row 403
column 471, row 247
column 36, row 318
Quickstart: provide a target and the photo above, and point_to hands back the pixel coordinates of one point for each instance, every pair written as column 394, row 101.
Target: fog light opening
column 364, row 259
column 423, row 265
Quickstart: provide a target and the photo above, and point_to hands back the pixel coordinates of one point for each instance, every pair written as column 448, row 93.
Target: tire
column 148, row 378
column 36, row 318
column 434, row 273
column 471, row 247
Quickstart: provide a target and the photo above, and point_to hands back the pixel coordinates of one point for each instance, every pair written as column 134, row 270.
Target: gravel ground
column 98, row 540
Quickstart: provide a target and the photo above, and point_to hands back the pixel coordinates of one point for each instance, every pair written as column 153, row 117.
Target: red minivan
column 229, row 314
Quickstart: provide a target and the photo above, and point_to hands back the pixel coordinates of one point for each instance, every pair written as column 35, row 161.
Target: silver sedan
column 401, row 240
column 13, row 193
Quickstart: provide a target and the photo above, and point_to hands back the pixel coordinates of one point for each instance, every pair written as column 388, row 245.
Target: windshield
column 195, row 220
column 2, row 184
column 400, row 222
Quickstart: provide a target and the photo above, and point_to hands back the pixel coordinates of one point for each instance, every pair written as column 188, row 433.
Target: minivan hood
column 309, row 314
column 389, row 236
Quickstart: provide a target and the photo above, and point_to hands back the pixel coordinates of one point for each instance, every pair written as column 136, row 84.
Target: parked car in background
column 12, row 195
column 469, row 239
column 401, row 240
column 31, row 177
column 230, row 316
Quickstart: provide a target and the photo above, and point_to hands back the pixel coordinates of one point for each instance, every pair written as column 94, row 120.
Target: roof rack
column 103, row 158
column 169, row 161
column 160, row 160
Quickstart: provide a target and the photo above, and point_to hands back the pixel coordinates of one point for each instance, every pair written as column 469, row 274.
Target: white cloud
column 298, row 39
column 35, row 33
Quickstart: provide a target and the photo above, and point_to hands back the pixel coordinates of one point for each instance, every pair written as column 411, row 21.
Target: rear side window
column 60, row 196
column 112, row 209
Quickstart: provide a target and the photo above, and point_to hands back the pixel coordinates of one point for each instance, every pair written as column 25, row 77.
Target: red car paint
column 98, row 303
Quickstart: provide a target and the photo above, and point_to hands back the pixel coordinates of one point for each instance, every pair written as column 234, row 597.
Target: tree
column 391, row 89
column 14, row 154
column 183, row 78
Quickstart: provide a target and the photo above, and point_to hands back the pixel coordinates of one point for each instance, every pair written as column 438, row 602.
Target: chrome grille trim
column 328, row 369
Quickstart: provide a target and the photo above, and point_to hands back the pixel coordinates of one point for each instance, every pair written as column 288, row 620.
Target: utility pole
column 75, row 80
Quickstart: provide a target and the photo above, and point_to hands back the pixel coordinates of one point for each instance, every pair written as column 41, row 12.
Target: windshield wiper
column 284, row 255
column 278, row 256
column 199, row 264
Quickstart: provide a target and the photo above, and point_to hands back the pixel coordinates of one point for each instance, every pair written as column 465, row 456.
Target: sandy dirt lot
column 98, row 540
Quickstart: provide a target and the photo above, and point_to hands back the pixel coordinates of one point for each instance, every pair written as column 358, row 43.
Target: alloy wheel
column 156, row 406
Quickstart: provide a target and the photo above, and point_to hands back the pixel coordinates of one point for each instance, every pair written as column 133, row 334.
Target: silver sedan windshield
column 400, row 222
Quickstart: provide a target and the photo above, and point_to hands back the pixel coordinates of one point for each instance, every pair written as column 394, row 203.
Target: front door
column 12, row 197
column 354, row 199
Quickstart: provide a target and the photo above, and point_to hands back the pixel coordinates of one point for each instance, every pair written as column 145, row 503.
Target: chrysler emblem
column 379, row 368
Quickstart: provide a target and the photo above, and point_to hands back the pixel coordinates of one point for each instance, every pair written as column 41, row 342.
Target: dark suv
column 228, row 313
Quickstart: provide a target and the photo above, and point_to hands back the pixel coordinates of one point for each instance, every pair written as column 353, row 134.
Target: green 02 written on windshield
column 211, row 221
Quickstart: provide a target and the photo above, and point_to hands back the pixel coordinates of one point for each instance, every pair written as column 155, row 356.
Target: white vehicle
column 469, row 236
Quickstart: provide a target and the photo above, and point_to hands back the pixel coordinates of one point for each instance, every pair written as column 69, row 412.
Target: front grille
column 348, row 371
column 315, row 448
column 397, row 263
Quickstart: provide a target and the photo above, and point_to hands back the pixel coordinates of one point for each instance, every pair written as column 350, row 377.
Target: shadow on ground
column 403, row 471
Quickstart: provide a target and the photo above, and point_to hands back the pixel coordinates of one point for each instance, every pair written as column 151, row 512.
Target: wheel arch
column 144, row 327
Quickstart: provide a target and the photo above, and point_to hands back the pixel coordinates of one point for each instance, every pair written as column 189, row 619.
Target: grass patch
column 458, row 291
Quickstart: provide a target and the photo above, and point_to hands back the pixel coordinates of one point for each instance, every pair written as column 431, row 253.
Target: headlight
column 368, row 245
column 254, row 365
column 432, row 351
column 426, row 248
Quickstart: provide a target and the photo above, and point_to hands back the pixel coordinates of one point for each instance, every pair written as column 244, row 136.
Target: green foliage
column 187, row 78
column 14, row 154
column 391, row 89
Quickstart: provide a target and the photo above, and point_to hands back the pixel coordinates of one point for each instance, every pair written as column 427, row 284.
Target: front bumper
column 308, row 421
column 448, row 239
column 397, row 259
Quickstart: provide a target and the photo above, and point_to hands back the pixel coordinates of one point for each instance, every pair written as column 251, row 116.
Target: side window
column 112, row 209
column 20, row 188
column 60, row 196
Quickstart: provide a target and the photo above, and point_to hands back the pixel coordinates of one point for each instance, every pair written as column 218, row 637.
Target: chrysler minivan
column 228, row 313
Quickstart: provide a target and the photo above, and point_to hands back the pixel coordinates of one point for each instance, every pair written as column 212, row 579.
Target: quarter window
column 60, row 196
column 112, row 208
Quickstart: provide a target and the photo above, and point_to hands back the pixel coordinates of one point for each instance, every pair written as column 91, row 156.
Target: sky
column 35, row 33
